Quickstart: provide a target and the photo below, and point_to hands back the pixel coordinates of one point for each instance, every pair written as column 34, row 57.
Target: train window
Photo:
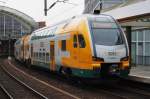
column 37, row 56
column 47, row 57
column 27, row 47
column 63, row 45
column 81, row 41
column 16, row 53
column 75, row 45
column 107, row 37
column 43, row 56
column 34, row 55
column 40, row 55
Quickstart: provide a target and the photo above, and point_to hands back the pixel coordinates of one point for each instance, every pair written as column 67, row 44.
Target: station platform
column 140, row 74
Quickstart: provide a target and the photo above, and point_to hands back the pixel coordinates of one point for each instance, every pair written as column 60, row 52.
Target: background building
column 107, row 4
column 141, row 46
column 140, row 35
column 41, row 24
column 13, row 25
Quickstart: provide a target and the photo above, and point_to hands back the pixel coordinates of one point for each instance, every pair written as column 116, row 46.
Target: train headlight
column 125, row 64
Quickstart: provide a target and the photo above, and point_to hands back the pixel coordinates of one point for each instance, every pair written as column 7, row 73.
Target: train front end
column 110, row 47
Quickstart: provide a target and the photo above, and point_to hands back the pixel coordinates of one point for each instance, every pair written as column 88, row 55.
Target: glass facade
column 12, row 26
column 141, row 47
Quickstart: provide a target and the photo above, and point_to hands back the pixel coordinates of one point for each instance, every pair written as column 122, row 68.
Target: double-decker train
column 88, row 46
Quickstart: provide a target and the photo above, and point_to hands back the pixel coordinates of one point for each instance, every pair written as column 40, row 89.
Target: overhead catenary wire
column 66, row 11
column 62, row 12
column 46, row 9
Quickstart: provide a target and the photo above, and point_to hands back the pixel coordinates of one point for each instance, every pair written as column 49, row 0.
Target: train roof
column 51, row 31
column 88, row 16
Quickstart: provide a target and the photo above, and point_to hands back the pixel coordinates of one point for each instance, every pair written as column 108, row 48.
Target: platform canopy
column 20, row 15
column 137, row 14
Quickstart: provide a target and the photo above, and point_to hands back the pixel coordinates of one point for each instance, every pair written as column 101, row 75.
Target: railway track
column 15, row 88
column 52, row 90
column 4, row 94
column 115, row 91
column 141, row 89
column 126, row 92
column 125, row 89
column 63, row 91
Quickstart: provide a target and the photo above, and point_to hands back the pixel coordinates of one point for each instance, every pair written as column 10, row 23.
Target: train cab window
column 75, row 45
column 63, row 45
column 82, row 43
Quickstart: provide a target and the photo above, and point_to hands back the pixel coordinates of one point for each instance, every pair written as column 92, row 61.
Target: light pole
column 9, row 57
column 101, row 6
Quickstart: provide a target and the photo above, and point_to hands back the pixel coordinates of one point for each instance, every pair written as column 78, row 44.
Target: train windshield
column 107, row 33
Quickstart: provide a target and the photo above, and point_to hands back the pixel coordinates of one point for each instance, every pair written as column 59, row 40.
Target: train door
column 84, row 57
column 31, row 50
column 52, row 56
column 74, row 52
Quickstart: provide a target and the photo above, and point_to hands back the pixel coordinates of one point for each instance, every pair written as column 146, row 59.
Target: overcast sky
column 34, row 8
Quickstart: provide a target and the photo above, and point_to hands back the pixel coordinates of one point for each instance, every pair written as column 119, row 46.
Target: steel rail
column 134, row 90
column 44, row 83
column 75, row 97
column 6, row 92
column 25, row 85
